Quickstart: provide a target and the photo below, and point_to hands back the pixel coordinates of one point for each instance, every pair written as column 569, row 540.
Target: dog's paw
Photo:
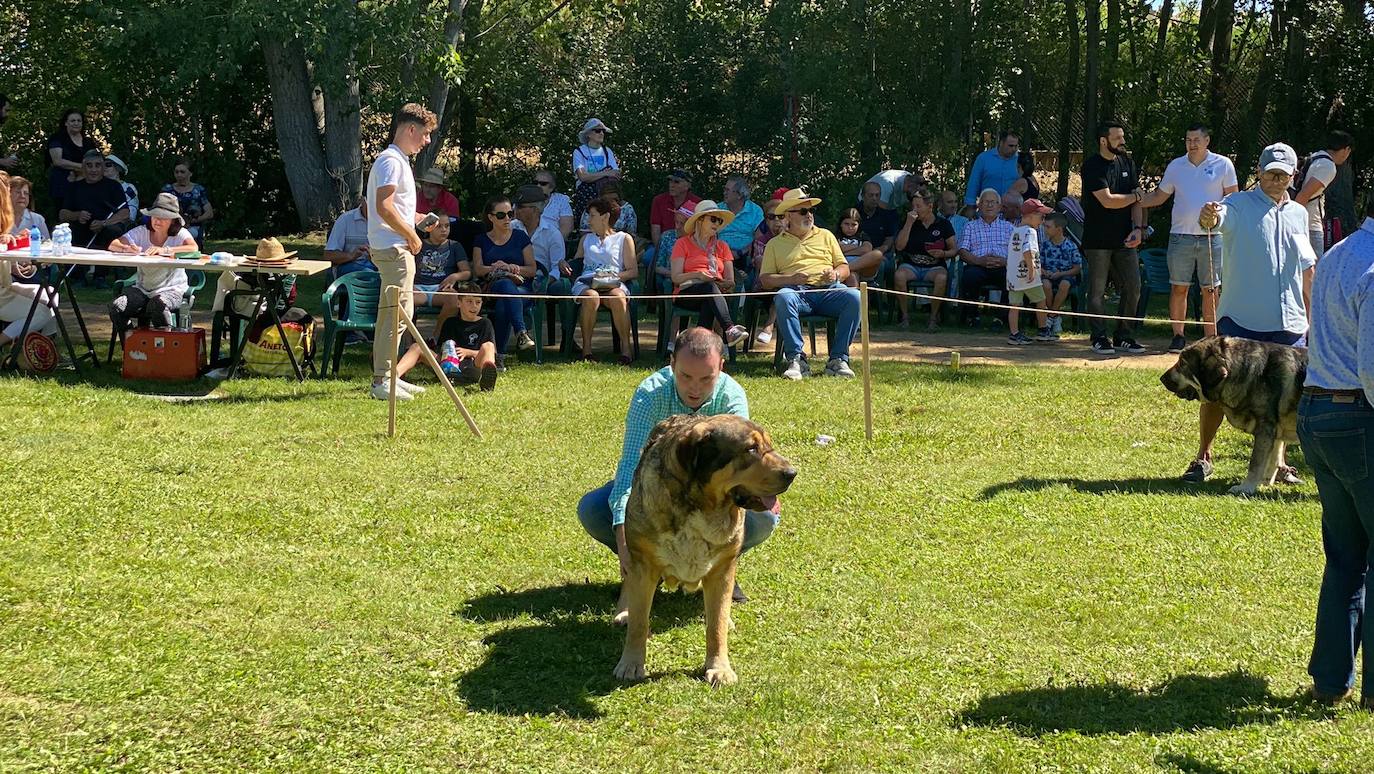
column 729, row 623
column 1244, row 489
column 720, row 675
column 630, row 669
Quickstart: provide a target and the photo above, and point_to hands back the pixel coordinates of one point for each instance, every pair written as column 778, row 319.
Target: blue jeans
column 594, row 511
column 839, row 301
column 507, row 314
column 1338, row 441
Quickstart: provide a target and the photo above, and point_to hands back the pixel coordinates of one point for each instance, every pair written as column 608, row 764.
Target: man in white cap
column 806, row 258
column 1267, row 276
column 116, row 169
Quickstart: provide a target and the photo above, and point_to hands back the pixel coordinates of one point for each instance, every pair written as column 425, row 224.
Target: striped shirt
column 1340, row 353
column 655, row 400
column 983, row 238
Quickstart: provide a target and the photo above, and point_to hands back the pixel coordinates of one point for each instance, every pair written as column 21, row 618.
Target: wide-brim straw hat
column 794, row 198
column 270, row 249
column 164, row 206
column 707, row 207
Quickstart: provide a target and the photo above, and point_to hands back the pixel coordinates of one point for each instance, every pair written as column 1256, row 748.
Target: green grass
column 1008, row 578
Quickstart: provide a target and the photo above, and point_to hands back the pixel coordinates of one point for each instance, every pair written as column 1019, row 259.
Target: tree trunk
column 298, row 138
column 1246, row 145
column 1070, row 94
column 1111, row 59
column 1224, row 13
column 1166, row 13
column 439, row 88
column 343, row 142
column 1092, row 22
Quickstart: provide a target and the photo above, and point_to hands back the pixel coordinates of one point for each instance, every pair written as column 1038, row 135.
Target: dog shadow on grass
column 1157, row 485
column 559, row 662
column 1184, row 703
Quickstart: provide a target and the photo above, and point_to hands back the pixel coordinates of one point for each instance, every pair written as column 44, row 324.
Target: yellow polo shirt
column 811, row 255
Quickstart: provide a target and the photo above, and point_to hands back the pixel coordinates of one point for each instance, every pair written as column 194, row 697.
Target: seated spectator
column 1011, row 207
column 550, row 251
column 774, row 223
column 739, row 233
column 434, row 195
column 996, row 168
column 1025, row 185
column 627, row 222
column 21, row 198
column 503, row 261
column 1062, row 265
column 864, row 261
column 895, row 188
column 157, row 292
column 558, row 210
column 116, row 169
column 346, row 246
column 16, row 299
column 194, row 201
column 440, row 264
column 806, row 257
column 983, row 249
column 95, row 209
column 924, row 246
column 877, row 221
column 949, row 210
column 703, row 270
column 469, row 343
column 661, row 211
column 663, row 252
column 608, row 264
column 593, row 165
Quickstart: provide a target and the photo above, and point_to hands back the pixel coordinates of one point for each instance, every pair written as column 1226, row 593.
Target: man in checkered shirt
column 983, row 250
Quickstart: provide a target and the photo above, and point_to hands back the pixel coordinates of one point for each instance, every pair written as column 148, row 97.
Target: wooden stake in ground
column 393, row 294
column 868, row 382
column 439, row 372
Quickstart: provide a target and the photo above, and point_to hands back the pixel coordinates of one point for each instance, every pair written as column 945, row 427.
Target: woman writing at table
column 16, row 299
column 157, row 292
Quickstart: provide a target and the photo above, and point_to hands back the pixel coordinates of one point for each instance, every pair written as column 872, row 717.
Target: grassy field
column 1008, row 578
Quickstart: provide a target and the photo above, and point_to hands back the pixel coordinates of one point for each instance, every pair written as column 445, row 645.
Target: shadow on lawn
column 1183, row 703
column 556, row 665
column 1158, row 485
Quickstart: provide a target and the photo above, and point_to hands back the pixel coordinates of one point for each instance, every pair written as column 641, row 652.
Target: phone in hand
column 427, row 222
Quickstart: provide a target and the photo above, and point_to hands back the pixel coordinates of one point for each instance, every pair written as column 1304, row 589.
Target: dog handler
column 1267, row 274
column 691, row 384
column 1336, row 427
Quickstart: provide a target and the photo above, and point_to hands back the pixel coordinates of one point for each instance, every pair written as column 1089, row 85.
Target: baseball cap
column 1278, row 156
column 681, row 174
column 1034, row 205
column 118, row 162
column 530, row 194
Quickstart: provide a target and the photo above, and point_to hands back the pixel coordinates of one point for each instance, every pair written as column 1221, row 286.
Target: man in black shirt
column 1113, row 225
column 95, row 205
column 878, row 223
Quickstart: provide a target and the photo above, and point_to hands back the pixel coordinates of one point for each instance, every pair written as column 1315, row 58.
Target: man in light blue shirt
column 1267, row 276
column 739, row 233
column 995, row 168
column 692, row 384
column 1336, row 428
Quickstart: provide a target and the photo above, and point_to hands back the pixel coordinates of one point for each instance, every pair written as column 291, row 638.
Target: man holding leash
column 1336, row 427
column 691, row 384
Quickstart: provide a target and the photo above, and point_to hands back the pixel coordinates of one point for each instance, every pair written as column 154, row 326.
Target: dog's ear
column 1212, row 371
column 702, row 452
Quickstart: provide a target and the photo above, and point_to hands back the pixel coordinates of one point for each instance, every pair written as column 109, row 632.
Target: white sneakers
column 795, row 369
column 404, row 390
column 838, row 367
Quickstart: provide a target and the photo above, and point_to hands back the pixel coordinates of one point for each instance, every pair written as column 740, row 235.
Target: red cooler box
column 168, row 355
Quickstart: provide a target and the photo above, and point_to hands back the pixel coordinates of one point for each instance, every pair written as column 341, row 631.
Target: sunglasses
column 598, row 130
column 715, row 220
column 777, row 217
column 803, row 210
column 503, row 214
column 544, row 183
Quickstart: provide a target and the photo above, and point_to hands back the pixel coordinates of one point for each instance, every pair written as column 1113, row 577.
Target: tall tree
column 1092, row 23
column 1070, row 95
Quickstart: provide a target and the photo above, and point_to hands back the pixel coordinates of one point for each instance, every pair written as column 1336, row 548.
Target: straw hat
column 794, row 198
column 270, row 250
column 708, row 207
column 164, row 206
column 434, row 175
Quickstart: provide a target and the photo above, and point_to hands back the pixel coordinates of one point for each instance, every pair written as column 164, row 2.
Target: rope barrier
column 636, row 297
column 991, row 305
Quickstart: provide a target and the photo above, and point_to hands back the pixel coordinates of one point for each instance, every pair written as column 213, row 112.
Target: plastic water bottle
column 35, row 242
column 62, row 239
column 448, row 357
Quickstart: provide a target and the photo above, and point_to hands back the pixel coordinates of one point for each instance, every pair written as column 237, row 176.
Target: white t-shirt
column 156, row 280
column 391, row 168
column 1321, row 168
column 607, row 254
column 1023, row 239
column 1195, row 185
column 592, row 160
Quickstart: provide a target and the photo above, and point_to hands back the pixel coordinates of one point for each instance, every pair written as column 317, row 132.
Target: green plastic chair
column 350, row 304
column 195, row 283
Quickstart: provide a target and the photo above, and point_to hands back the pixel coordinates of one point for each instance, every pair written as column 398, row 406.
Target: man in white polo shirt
column 1317, row 174
column 1193, row 179
column 391, row 237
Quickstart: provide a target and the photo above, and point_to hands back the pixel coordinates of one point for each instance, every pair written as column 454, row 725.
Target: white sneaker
column 413, row 389
column 838, row 367
column 382, row 392
column 793, row 370
column 763, row 337
column 735, row 335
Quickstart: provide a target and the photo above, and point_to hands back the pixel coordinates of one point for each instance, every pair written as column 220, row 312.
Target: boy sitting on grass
column 468, row 351
column 1023, row 273
column 1061, row 265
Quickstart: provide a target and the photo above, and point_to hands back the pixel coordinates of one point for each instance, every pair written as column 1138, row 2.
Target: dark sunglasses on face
column 503, row 214
column 804, row 210
column 715, row 220
column 777, row 217
column 598, row 130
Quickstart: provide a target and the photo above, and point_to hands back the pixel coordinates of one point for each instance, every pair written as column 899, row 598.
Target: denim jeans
column 1338, row 442
column 839, row 301
column 594, row 511
column 507, row 314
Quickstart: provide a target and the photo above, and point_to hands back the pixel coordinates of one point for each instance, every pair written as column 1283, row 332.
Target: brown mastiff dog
column 684, row 523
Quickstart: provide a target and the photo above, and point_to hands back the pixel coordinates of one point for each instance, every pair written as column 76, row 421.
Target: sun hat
column 794, row 198
column 164, row 206
column 592, row 123
column 1278, row 156
column 118, row 162
column 270, row 250
column 707, row 207
column 433, row 175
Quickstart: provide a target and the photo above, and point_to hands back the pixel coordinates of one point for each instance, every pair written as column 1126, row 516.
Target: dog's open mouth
column 750, row 502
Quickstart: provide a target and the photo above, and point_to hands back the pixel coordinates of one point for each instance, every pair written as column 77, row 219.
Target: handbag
column 604, row 279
